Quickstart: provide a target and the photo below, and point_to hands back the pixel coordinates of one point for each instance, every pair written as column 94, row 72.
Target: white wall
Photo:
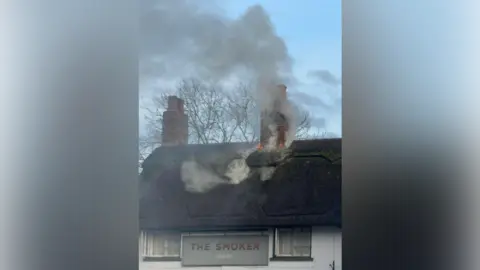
column 326, row 247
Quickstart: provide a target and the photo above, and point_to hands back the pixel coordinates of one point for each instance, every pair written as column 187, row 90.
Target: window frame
column 149, row 256
column 145, row 233
column 276, row 244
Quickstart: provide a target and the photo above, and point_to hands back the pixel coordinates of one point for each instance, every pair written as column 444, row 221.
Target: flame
column 260, row 146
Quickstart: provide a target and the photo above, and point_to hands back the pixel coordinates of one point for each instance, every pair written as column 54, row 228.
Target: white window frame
column 291, row 229
column 147, row 245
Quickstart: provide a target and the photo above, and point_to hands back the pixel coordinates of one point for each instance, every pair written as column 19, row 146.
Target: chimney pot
column 175, row 123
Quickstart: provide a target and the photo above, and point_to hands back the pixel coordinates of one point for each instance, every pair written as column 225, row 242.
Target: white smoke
column 266, row 173
column 272, row 141
column 199, row 179
column 238, row 169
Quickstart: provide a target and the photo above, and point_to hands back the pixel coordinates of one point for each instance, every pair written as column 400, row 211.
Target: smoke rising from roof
column 200, row 179
column 180, row 38
column 188, row 38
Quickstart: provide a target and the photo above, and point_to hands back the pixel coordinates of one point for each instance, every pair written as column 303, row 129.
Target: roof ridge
column 318, row 156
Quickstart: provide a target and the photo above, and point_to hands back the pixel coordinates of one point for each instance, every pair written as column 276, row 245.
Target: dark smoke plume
column 186, row 38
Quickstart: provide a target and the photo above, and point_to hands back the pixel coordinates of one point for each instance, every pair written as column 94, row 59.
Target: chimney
column 175, row 123
column 274, row 117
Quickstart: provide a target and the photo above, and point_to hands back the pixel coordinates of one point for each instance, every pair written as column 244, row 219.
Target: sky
column 311, row 30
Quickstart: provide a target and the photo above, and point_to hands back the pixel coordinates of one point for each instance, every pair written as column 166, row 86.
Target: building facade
column 280, row 248
column 292, row 220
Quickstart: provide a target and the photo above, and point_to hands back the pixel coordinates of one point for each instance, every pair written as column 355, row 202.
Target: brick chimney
column 275, row 118
column 175, row 123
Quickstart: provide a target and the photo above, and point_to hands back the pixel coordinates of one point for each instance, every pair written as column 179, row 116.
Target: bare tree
column 215, row 115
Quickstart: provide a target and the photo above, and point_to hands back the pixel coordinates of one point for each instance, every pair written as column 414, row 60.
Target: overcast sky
column 311, row 31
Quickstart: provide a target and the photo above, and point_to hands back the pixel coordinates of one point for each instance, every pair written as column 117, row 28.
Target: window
column 293, row 242
column 161, row 244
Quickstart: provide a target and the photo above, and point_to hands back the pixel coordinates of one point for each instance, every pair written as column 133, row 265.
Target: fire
column 260, row 146
column 274, row 123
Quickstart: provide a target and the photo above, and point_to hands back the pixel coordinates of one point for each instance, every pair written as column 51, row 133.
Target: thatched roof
column 305, row 189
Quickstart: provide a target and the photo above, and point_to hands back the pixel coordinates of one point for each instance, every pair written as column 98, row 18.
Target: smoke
column 199, row 179
column 266, row 173
column 238, row 169
column 273, row 101
column 187, row 38
column 189, row 35
column 326, row 77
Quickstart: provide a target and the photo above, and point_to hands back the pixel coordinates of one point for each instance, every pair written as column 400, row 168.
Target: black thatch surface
column 264, row 158
column 304, row 190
